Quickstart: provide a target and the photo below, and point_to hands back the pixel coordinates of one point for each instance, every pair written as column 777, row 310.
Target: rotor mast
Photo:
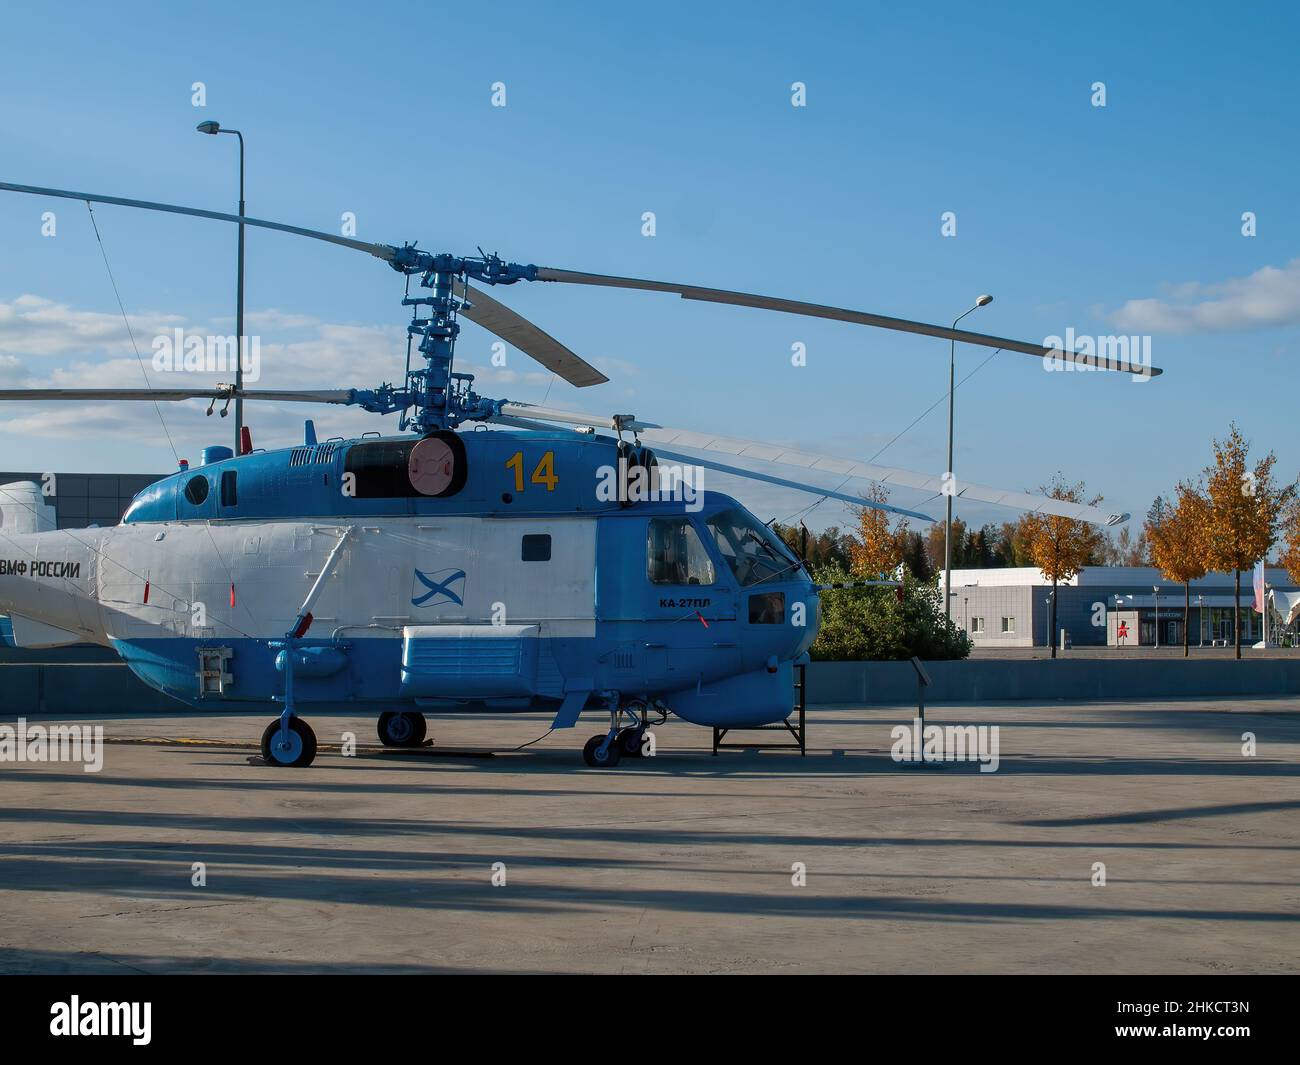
column 442, row 399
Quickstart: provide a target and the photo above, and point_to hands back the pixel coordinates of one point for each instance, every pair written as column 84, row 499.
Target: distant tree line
column 1227, row 519
column 990, row 546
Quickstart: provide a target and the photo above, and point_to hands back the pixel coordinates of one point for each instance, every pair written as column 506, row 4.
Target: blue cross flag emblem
column 446, row 582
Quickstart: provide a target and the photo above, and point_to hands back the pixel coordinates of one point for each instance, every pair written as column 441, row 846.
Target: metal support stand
column 922, row 682
column 799, row 731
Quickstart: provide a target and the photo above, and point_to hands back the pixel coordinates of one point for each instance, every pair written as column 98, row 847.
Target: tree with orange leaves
column 879, row 548
column 1245, row 508
column 1060, row 547
column 1290, row 558
column 1176, row 538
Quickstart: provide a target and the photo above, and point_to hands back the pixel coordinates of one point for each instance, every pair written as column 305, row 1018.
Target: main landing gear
column 399, row 729
column 606, row 750
column 291, row 744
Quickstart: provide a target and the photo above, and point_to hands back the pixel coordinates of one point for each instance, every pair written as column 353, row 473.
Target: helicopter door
column 688, row 606
column 535, row 572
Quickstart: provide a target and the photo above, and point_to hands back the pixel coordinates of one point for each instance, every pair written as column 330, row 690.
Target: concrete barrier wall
column 991, row 680
column 81, row 687
column 77, row 688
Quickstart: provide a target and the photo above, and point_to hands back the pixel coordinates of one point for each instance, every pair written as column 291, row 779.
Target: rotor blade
column 513, row 328
column 340, row 396
column 817, row 310
column 844, row 497
column 595, row 421
column 659, row 436
column 379, row 251
column 165, row 395
column 798, row 486
column 171, row 395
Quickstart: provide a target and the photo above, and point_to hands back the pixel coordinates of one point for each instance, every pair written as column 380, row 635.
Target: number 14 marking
column 543, row 473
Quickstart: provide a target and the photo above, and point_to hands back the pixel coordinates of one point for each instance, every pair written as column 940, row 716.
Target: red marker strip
column 232, row 595
column 146, row 591
column 701, row 617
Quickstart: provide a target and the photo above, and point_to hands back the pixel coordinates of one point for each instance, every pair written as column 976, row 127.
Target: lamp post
column 982, row 301
column 1264, row 617
column 1156, row 590
column 1200, row 621
column 1119, row 602
column 213, row 128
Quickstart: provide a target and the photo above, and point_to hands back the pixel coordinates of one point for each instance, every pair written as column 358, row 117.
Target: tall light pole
column 982, row 301
column 214, row 128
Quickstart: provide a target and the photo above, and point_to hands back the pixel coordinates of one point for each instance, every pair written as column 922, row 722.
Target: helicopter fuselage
column 479, row 571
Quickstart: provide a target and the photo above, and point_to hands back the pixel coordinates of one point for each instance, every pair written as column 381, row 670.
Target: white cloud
column 1268, row 297
column 13, row 372
column 34, row 326
column 87, row 349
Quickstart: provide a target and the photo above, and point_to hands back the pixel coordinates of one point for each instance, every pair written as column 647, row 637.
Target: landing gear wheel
column 591, row 753
column 402, row 729
column 299, row 751
column 628, row 741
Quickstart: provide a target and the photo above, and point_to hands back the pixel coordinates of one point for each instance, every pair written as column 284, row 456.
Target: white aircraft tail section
column 24, row 508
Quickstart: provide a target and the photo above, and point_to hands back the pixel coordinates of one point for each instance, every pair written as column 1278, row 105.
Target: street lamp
column 1156, row 590
column 213, row 128
column 982, row 301
column 1119, row 602
column 1200, row 621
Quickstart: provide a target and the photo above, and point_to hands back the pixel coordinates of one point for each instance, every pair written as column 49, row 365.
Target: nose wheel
column 606, row 750
column 402, row 729
column 289, row 748
column 602, row 752
column 628, row 741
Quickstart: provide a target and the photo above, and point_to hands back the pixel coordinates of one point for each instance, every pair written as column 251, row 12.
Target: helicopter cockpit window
column 674, row 553
column 196, row 489
column 753, row 552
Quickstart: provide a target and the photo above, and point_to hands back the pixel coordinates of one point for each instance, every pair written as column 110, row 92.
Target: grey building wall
column 992, row 605
column 82, row 499
column 1082, row 610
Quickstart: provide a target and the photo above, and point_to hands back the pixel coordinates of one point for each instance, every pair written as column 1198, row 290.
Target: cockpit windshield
column 751, row 549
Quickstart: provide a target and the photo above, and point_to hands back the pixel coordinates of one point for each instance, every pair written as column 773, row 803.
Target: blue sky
column 1066, row 213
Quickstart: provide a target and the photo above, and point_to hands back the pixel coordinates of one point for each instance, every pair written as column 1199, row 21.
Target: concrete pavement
column 681, row 863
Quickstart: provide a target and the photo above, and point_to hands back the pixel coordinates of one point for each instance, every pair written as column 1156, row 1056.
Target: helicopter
column 496, row 557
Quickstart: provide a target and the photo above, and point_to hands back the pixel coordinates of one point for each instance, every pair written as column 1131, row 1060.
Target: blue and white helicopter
column 552, row 563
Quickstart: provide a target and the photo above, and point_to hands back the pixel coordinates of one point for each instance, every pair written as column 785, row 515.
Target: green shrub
column 871, row 623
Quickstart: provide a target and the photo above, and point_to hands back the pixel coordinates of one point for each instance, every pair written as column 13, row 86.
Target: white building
column 1011, row 607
